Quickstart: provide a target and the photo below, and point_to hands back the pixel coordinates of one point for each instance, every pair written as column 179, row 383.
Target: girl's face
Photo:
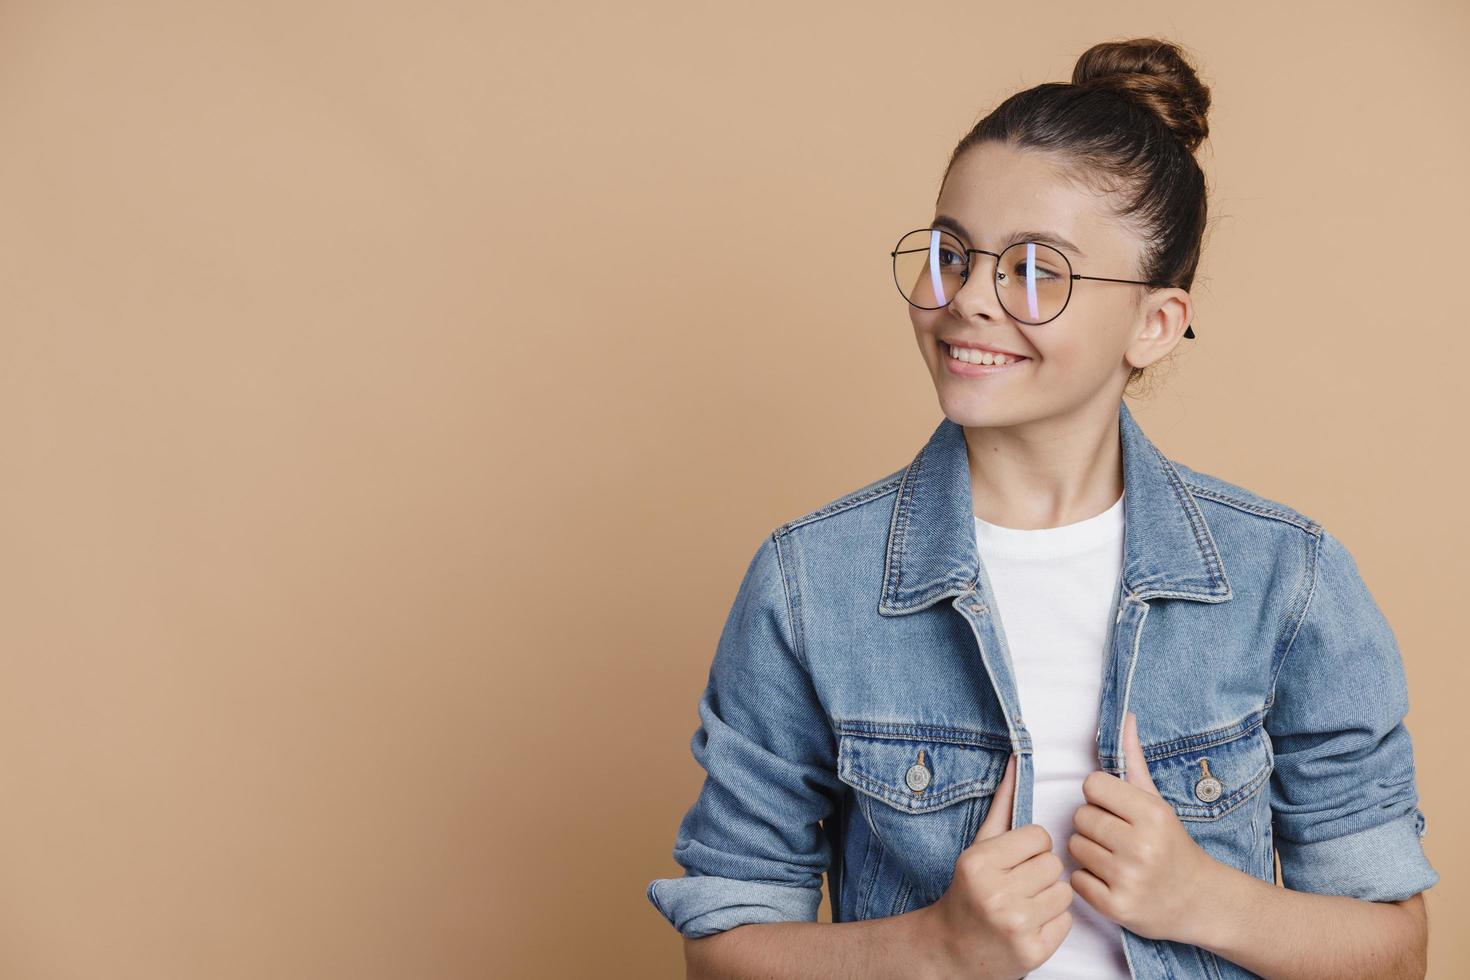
column 992, row 192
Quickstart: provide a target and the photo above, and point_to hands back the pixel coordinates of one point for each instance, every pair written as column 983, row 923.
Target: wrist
column 932, row 958
column 1222, row 894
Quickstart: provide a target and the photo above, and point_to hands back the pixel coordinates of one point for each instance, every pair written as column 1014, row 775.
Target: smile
column 970, row 363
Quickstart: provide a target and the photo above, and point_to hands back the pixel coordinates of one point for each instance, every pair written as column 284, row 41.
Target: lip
column 966, row 370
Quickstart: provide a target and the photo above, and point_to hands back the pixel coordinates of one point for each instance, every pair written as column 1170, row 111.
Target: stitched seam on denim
column 1300, row 521
column 898, row 528
column 1156, row 946
column 1176, row 483
column 1209, row 535
column 900, row 895
column 888, row 485
column 1232, row 802
column 849, row 773
column 897, row 538
column 943, row 590
column 1209, row 963
column 793, row 609
column 895, row 526
column 1219, row 736
column 872, row 864
column 1202, row 740
column 1291, row 622
column 901, row 900
column 910, row 731
column 1314, row 556
column 1132, row 665
column 886, row 793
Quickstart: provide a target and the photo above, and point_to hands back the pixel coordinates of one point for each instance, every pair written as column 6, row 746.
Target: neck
column 1047, row 472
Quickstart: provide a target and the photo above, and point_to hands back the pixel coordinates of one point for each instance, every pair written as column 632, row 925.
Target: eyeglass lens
column 1032, row 281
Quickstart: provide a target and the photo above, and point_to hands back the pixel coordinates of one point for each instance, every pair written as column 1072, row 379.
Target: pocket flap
column 1207, row 775
column 917, row 768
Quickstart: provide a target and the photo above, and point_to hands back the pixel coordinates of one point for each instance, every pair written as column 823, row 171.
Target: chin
column 980, row 409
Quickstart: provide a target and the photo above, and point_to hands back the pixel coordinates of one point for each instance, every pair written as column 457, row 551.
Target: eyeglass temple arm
column 1188, row 330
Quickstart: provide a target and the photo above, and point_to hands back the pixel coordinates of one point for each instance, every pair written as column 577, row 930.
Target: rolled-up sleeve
column 753, row 846
column 1344, row 803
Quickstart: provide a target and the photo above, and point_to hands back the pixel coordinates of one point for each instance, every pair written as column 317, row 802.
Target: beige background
column 373, row 494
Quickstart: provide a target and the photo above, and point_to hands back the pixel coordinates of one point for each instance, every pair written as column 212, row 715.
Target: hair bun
column 1154, row 74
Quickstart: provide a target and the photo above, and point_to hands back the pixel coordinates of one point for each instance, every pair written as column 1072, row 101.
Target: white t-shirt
column 1056, row 591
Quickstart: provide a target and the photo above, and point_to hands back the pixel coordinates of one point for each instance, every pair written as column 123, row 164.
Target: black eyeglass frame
column 965, row 277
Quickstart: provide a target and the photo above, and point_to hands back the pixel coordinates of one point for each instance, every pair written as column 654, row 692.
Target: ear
column 1166, row 313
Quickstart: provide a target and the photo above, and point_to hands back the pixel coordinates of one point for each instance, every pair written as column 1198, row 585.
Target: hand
column 1006, row 909
column 1138, row 866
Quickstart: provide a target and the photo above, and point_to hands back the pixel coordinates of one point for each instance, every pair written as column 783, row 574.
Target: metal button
column 1208, row 788
column 918, row 775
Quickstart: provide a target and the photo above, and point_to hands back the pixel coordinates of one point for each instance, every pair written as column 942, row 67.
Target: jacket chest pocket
column 1215, row 782
column 923, row 790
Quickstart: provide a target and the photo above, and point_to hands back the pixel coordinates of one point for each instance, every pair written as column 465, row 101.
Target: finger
column 1117, row 796
column 998, row 820
column 1092, row 856
column 1056, row 929
column 1135, row 765
column 1101, row 825
column 1052, row 900
column 1093, row 890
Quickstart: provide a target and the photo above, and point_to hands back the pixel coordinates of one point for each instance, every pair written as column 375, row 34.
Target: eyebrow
column 1044, row 237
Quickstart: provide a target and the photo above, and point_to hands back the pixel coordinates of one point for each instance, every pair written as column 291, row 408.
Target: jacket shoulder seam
column 1295, row 519
column 793, row 603
column 1313, row 576
column 883, row 487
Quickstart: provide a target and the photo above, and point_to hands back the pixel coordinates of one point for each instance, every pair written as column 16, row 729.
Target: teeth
column 971, row 356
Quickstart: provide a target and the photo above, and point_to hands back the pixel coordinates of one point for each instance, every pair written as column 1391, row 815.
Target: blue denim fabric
column 862, row 633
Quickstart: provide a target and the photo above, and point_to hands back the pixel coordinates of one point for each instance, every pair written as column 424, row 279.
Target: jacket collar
column 1167, row 546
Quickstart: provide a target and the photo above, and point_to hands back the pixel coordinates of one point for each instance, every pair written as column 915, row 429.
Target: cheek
column 927, row 328
column 1084, row 345
column 1065, row 359
column 925, row 322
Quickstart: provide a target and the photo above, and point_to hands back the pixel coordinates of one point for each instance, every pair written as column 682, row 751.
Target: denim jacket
column 865, row 633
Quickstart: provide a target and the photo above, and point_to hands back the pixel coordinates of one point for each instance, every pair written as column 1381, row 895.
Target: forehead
column 994, row 189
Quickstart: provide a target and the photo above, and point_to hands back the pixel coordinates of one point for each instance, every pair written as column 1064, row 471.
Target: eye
column 949, row 258
column 1042, row 272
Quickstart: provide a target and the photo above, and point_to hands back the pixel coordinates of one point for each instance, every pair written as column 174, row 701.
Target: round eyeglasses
column 1033, row 282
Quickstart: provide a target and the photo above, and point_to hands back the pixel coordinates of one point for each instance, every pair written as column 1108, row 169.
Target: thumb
column 1137, row 767
column 998, row 820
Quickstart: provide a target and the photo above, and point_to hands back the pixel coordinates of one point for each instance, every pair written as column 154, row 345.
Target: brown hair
column 1127, row 125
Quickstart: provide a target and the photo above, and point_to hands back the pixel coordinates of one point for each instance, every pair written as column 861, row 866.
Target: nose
column 977, row 298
